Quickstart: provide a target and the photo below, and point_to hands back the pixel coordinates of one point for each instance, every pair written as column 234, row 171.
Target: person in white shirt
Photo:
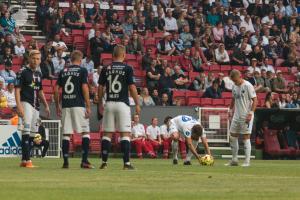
column 254, row 66
column 269, row 19
column 88, row 64
column 153, row 134
column 96, row 76
column 170, row 22
column 222, row 56
column 189, row 128
column 58, row 61
column 247, row 23
column 243, row 103
column 139, row 139
column 19, row 49
column 10, row 95
column 58, row 44
column 166, row 139
column 266, row 66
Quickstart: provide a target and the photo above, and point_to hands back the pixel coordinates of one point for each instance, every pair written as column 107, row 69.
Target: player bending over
column 191, row 130
column 243, row 103
column 117, row 79
column 76, row 109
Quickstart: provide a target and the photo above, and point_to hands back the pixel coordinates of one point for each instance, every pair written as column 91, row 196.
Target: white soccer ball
column 207, row 160
column 37, row 138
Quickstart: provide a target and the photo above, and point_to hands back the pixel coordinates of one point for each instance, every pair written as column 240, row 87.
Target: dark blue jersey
column 30, row 83
column 71, row 80
column 116, row 78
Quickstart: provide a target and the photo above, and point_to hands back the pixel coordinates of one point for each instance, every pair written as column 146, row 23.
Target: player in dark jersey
column 28, row 92
column 76, row 109
column 117, row 79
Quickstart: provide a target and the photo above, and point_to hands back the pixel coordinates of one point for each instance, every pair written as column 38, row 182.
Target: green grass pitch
column 153, row 180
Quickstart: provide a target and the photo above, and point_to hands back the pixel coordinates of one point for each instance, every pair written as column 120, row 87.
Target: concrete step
column 31, row 32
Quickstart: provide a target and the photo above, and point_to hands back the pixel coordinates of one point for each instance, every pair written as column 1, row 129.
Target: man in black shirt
column 28, row 92
column 72, row 19
column 43, row 142
column 75, row 111
column 117, row 79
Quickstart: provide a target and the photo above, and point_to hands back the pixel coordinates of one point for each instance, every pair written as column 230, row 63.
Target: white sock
column 175, row 149
column 190, row 154
column 247, row 148
column 234, row 143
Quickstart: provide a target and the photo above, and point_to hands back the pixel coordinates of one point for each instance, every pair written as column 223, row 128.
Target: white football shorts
column 73, row 119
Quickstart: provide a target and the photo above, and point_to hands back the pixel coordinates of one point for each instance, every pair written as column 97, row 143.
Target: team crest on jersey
column 187, row 133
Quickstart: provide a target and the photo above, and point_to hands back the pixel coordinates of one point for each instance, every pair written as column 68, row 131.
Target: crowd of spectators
column 258, row 35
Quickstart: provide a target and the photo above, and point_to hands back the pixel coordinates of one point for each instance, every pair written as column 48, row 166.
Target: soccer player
column 29, row 92
column 191, row 129
column 243, row 103
column 139, row 139
column 153, row 134
column 117, row 79
column 75, row 109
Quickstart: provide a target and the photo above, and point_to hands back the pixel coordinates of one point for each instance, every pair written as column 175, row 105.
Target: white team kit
column 183, row 124
column 243, row 96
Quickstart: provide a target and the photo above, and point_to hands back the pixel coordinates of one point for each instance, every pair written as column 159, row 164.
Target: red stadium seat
column 284, row 70
column 227, row 102
column 48, row 89
column 190, row 93
column 130, row 57
column 193, row 75
column 150, row 42
column 67, row 39
column 168, row 58
column 193, row 101
column 46, row 82
column 214, row 68
column 158, row 35
column 205, row 67
column 218, row 102
column 17, row 61
column 237, row 67
column 178, row 93
column 226, row 95
column 77, row 32
column 261, row 95
column 206, row 102
column 16, row 68
column 106, row 56
column 225, row 68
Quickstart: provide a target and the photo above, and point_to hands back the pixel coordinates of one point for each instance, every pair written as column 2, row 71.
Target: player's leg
column 247, row 142
column 190, row 154
column 124, row 125
column 45, row 144
column 175, row 139
column 109, row 129
column 182, row 148
column 34, row 128
column 27, row 119
column 234, row 142
column 67, row 130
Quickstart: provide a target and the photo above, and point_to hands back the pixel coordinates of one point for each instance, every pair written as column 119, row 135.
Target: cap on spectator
column 254, row 59
column 278, row 71
column 166, row 34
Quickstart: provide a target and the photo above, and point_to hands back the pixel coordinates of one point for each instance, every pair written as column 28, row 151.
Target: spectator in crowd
column 165, row 46
column 3, row 99
column 230, row 40
column 140, row 26
column 115, row 26
column 7, row 56
column 278, row 84
column 213, row 91
column 110, row 12
column 218, row 32
column 153, row 134
column 72, row 19
column 42, row 12
column 253, row 66
column 17, row 35
column 166, row 82
column 197, row 62
column 186, row 37
column 198, row 48
column 259, row 83
column 96, row 46
column 10, row 95
column 291, row 10
column 295, row 99
column 108, row 39
column 178, row 43
column 57, row 21
column 152, row 22
column 247, row 23
column 161, row 20
column 7, row 73
column 198, row 83
column 258, row 54
column 165, row 100
column 88, row 63
column 147, row 59
column 19, row 48
column 58, row 61
column 59, row 44
column 47, row 68
column 153, row 75
column 139, row 139
column 7, row 44
column 155, row 97
column 135, row 45
column 266, row 66
column 145, row 98
column 181, row 20
column 209, row 79
column 289, row 102
column 96, row 75
column 95, row 26
column 179, row 78
column 230, row 26
column 272, row 50
column 128, row 26
column 170, row 22
column 94, row 14
column 213, row 18
column 239, row 57
column 185, row 61
column 8, row 23
column 222, row 56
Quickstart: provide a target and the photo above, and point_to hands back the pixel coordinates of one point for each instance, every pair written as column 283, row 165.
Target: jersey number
column 69, row 86
column 114, row 84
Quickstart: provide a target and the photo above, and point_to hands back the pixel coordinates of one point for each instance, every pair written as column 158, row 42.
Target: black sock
column 65, row 150
column 25, row 147
column 125, row 148
column 105, row 148
column 85, row 149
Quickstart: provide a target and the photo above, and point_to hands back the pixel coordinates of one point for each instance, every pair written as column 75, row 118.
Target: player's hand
column 47, row 110
column 100, row 111
column 137, row 109
column 249, row 117
column 199, row 160
column 58, row 111
column 20, row 111
column 87, row 112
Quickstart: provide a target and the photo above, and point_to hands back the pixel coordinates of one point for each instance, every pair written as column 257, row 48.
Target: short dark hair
column 197, row 130
column 167, row 119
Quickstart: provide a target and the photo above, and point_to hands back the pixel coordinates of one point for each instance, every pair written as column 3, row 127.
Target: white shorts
column 116, row 117
column 73, row 119
column 241, row 127
column 29, row 123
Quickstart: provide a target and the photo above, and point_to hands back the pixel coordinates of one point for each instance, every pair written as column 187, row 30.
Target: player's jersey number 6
column 69, row 86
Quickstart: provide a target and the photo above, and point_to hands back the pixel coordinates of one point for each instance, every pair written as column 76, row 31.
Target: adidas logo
column 13, row 141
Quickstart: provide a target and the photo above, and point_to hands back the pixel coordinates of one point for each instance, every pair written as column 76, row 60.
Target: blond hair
column 76, row 56
column 119, row 51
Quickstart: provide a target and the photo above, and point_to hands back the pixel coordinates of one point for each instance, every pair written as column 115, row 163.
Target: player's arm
column 44, row 101
column 191, row 147
column 134, row 94
column 205, row 144
column 18, row 102
column 86, row 96
column 253, row 97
